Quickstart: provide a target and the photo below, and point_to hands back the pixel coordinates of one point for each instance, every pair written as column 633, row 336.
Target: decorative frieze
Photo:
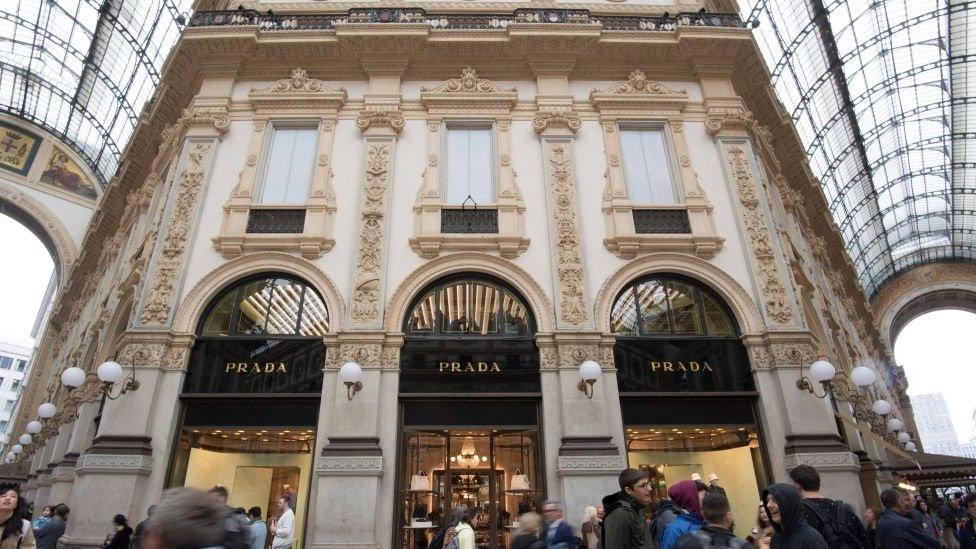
column 767, row 271
column 169, row 259
column 595, row 465
column 380, row 119
column 566, row 233
column 823, row 461
column 349, row 466
column 114, row 464
column 369, row 261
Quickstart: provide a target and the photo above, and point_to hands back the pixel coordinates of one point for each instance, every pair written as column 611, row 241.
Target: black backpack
column 661, row 521
column 836, row 530
column 707, row 540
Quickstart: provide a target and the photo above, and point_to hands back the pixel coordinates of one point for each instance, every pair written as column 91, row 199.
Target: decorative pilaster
column 557, row 129
column 163, row 286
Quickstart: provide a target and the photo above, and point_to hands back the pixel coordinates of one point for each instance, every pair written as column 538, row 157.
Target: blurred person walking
column 185, row 519
column 527, row 535
column 237, row 532
column 557, row 533
column 140, row 532
column 121, row 537
column 591, row 528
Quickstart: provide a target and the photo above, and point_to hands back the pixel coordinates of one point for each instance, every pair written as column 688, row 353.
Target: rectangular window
column 15, row 385
column 5, row 362
column 3, row 426
column 9, row 405
column 21, row 365
column 646, row 167
column 470, row 173
column 288, row 171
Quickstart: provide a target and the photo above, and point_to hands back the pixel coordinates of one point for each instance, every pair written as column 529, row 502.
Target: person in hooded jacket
column 687, row 495
column 623, row 524
column 784, row 507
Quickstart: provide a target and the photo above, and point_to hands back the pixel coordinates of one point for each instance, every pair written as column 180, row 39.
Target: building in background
column 935, row 425
column 14, row 360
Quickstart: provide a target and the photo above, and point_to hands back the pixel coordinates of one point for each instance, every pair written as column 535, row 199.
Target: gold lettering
column 707, row 368
column 668, row 367
column 655, row 366
column 229, row 367
column 241, row 367
column 469, row 368
column 281, row 368
column 455, row 366
column 441, row 366
column 694, row 366
column 495, row 367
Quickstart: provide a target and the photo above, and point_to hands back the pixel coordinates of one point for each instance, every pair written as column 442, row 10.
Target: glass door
column 491, row 472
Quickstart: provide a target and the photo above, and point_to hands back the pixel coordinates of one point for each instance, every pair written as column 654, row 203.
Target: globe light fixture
column 821, row 372
column 910, row 446
column 862, row 376
column 17, row 448
column 34, row 427
column 881, row 407
column 25, row 439
column 109, row 372
column 11, row 456
column 904, row 437
column 589, row 372
column 72, row 378
column 47, row 410
column 895, row 424
column 351, row 375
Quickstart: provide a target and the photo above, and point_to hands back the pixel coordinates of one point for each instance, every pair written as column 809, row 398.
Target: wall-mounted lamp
column 589, row 372
column 110, row 372
column 25, row 439
column 821, row 372
column 46, row 410
column 34, row 427
column 17, row 449
column 904, row 437
column 182, row 18
column 895, row 424
column 72, row 378
column 10, row 456
column 351, row 375
column 910, row 446
column 881, row 407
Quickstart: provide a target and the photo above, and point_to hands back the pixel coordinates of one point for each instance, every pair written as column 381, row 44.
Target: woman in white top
column 463, row 531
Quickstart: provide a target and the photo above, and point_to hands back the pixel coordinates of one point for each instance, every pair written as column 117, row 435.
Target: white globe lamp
column 910, row 446
column 34, row 427
column 109, row 372
column 46, row 410
column 17, row 448
column 862, row 376
column 822, row 370
column 351, row 375
column 73, row 377
column 25, row 439
column 895, row 424
column 904, row 437
column 589, row 372
column 11, row 456
column 881, row 407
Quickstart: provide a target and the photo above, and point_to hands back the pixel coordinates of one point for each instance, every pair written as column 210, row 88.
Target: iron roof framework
column 879, row 92
column 83, row 69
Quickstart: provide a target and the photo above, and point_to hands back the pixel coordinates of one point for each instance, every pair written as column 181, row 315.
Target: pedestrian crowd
column 695, row 515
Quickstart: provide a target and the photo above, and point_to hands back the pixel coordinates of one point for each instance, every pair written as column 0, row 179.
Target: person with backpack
column 717, row 531
column 836, row 521
column 462, row 536
column 623, row 523
column 688, row 495
column 784, row 508
column 666, row 512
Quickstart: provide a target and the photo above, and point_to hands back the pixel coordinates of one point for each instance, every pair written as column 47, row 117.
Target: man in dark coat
column 717, row 531
column 47, row 536
column 623, row 525
column 895, row 531
column 785, row 509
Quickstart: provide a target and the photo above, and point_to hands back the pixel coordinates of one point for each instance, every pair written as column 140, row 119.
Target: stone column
column 44, row 469
column 128, row 455
column 353, row 493
column 78, row 436
column 582, row 444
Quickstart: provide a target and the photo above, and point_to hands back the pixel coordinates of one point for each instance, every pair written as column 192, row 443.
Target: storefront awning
column 931, row 469
column 880, row 440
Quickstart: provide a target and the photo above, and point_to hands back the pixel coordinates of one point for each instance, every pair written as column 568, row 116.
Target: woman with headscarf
column 784, row 507
column 687, row 495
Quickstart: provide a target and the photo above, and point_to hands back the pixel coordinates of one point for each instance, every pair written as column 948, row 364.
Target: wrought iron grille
column 471, row 221
column 276, row 221
column 661, row 222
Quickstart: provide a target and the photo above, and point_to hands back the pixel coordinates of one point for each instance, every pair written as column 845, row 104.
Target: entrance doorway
column 470, row 404
column 492, row 472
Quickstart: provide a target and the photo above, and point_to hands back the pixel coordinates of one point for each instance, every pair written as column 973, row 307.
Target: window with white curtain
column 288, row 171
column 469, row 165
column 646, row 167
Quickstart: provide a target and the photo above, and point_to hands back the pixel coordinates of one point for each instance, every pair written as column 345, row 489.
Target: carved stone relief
column 569, row 262
column 170, row 259
column 770, row 279
column 366, row 293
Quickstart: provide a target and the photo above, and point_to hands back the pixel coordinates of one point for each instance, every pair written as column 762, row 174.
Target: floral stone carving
column 366, row 296
column 569, row 263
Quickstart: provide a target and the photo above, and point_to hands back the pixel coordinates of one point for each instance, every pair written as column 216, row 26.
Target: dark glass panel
column 315, row 317
column 424, row 315
column 284, row 307
column 653, row 302
column 255, row 298
column 683, row 308
column 716, row 319
column 623, row 317
column 218, row 323
column 516, row 316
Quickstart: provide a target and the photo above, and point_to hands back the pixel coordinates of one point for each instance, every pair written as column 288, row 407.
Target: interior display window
column 669, row 306
column 288, row 170
column 469, row 165
column 256, row 465
column 272, row 305
column 730, row 453
column 647, row 170
column 493, row 472
column 469, row 307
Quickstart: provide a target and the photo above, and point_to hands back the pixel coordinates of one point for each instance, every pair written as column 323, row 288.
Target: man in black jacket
column 895, row 531
column 785, row 510
column 835, row 520
column 623, row 523
column 717, row 531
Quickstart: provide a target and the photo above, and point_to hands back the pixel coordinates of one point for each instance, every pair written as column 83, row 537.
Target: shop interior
column 493, row 472
column 256, row 466
column 730, row 452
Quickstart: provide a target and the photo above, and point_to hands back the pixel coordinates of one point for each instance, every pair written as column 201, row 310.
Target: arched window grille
column 670, row 306
column 469, row 307
column 267, row 305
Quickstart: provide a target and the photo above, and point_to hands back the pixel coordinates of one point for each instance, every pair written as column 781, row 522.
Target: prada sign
column 255, row 366
column 469, row 365
column 650, row 365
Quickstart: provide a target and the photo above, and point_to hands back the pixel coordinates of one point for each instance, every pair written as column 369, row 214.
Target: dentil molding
column 590, row 465
column 356, row 466
column 113, row 463
column 826, row 461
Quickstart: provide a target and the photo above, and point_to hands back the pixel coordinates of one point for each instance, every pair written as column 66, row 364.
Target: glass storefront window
column 661, row 306
column 493, row 472
column 674, row 453
column 469, row 307
column 270, row 305
column 256, row 466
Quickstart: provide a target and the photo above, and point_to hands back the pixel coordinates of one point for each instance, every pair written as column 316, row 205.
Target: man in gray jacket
column 47, row 536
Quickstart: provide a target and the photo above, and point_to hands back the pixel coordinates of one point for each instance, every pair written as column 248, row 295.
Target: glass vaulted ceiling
column 880, row 95
column 83, row 69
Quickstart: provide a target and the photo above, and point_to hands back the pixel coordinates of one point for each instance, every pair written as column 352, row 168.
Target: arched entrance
column 687, row 395
column 250, row 400
column 470, row 411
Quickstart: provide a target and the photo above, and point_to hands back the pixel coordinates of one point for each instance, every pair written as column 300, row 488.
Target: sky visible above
column 27, row 268
column 938, row 351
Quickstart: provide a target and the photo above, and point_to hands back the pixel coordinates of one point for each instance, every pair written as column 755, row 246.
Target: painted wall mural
column 18, row 148
column 65, row 174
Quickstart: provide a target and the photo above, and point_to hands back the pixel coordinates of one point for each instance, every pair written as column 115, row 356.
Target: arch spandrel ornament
column 56, row 232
